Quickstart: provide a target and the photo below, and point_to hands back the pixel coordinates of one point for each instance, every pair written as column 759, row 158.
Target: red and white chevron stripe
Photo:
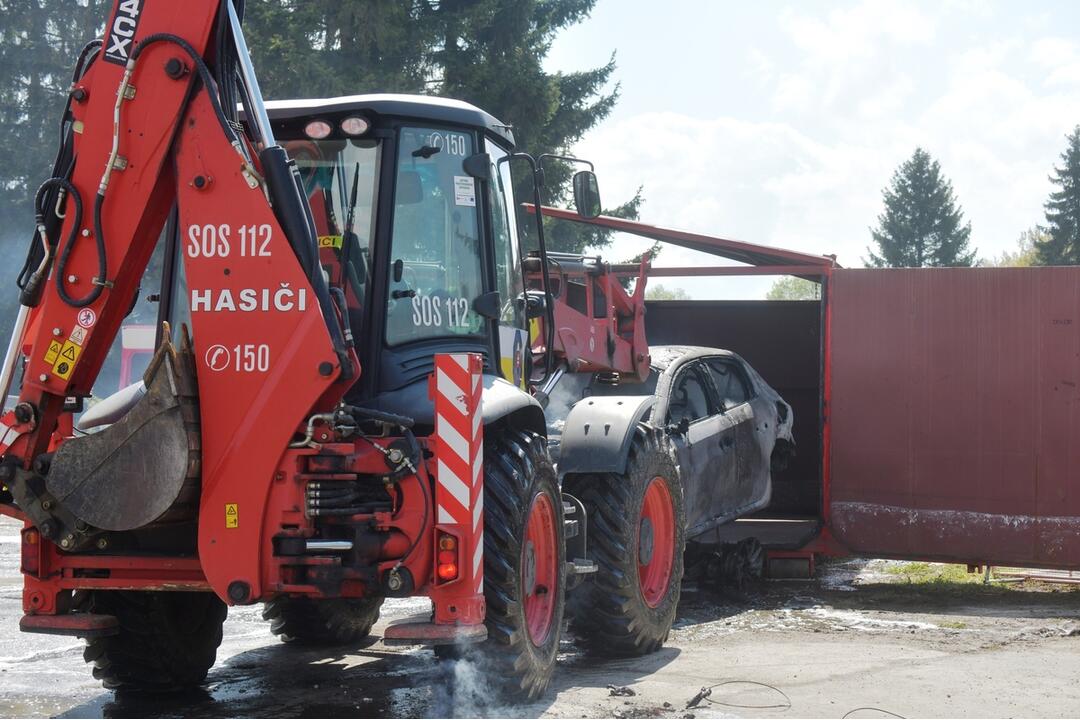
column 459, row 431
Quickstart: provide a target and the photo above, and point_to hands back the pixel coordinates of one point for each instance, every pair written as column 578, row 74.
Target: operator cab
column 413, row 204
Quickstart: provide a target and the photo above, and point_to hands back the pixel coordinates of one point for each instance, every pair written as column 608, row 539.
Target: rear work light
column 446, row 567
column 318, row 129
column 31, row 551
column 355, row 126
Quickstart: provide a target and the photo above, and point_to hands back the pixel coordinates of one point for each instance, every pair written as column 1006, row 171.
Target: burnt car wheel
column 636, row 535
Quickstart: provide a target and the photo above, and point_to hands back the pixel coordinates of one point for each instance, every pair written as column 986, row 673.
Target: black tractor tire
column 307, row 621
column 167, row 642
column 609, row 614
column 517, row 471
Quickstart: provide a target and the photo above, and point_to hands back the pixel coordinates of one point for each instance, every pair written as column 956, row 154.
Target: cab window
column 509, row 279
column 435, row 246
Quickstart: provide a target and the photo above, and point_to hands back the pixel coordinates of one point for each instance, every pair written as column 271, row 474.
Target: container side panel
column 955, row 410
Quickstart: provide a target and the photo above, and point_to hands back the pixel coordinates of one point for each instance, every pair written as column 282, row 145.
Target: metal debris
column 620, row 691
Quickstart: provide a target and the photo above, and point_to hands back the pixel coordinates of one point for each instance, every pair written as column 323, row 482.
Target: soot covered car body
column 728, row 428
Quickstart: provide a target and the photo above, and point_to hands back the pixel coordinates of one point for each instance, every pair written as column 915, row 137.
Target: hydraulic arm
column 151, row 126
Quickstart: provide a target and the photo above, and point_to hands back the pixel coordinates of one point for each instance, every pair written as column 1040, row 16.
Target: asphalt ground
column 860, row 641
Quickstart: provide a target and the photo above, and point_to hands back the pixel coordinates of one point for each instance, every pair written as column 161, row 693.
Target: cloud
column 837, row 98
column 765, row 183
column 856, row 31
column 844, row 56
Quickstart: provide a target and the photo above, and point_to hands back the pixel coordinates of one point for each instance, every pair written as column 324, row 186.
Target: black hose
column 200, row 68
column 41, row 208
column 63, row 165
column 380, row 416
column 425, row 491
column 99, row 243
column 102, row 280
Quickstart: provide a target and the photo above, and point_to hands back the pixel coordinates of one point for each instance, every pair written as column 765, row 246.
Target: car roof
column 420, row 107
column 664, row 356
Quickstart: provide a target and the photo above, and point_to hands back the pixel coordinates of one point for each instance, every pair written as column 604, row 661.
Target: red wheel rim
column 539, row 569
column 656, row 542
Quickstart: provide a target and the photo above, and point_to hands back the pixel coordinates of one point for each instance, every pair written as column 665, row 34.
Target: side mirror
column 586, row 194
column 535, row 304
column 478, row 166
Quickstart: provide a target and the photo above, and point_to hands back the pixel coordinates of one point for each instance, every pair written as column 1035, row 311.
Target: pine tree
column 922, row 226
column 39, row 41
column 1061, row 243
column 487, row 52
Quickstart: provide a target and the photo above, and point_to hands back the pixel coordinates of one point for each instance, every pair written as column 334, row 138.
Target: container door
column 955, row 414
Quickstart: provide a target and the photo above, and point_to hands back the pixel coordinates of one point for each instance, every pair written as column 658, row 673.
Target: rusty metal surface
column 737, row 250
column 782, row 341
column 955, row 414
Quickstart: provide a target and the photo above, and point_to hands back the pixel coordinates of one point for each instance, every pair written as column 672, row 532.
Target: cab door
column 513, row 335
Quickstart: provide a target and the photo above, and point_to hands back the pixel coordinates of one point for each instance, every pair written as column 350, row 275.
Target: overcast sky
column 780, row 122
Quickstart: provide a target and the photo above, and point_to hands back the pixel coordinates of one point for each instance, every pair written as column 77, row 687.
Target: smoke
column 13, row 246
column 471, row 690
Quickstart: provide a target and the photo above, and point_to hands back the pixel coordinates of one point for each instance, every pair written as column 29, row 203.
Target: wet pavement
column 853, row 639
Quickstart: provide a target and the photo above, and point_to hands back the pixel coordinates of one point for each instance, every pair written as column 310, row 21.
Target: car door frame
column 705, row 453
column 752, row 486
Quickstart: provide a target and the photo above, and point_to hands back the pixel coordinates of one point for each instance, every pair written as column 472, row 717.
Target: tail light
column 446, row 564
column 31, row 551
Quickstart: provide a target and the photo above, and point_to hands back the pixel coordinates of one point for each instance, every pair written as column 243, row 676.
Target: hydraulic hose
column 41, row 208
column 102, row 280
column 39, row 255
column 204, row 75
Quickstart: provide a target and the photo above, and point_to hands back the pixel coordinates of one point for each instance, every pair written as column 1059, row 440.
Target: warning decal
column 53, row 352
column 78, row 335
column 464, row 190
column 66, row 359
column 232, row 515
column 87, row 318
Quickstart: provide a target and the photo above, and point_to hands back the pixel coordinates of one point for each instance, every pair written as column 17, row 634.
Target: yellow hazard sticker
column 330, row 241
column 66, row 359
column 232, row 515
column 53, row 352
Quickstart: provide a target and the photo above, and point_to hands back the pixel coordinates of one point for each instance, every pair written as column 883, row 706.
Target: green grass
column 933, row 573
column 953, row 625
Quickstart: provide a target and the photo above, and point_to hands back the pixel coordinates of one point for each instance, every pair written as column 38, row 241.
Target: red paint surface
column 955, row 410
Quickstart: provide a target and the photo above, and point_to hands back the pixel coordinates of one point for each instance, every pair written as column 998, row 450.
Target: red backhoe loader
column 338, row 409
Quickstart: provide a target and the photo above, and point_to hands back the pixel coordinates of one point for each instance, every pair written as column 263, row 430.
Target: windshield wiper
column 351, row 215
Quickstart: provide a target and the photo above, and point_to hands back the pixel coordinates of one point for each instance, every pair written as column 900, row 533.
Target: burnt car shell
column 727, row 426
